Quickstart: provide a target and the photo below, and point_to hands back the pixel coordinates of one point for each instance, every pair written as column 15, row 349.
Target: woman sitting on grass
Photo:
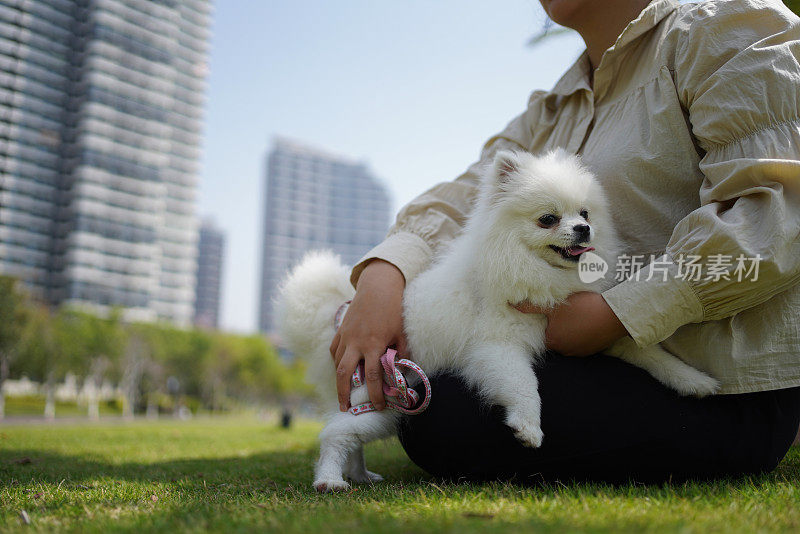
column 689, row 115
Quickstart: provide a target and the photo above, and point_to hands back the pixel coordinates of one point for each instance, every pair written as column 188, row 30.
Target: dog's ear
column 506, row 163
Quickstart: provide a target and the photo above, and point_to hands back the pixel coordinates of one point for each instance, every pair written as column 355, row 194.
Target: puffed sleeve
column 435, row 217
column 737, row 73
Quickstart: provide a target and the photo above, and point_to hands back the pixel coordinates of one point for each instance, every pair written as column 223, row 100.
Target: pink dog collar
column 398, row 395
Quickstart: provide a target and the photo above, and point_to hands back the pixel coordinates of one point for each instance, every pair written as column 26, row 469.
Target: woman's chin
column 567, row 13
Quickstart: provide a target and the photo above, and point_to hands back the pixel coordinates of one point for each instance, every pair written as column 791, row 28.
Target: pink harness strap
column 398, row 395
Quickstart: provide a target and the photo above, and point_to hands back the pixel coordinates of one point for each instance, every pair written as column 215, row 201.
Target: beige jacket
column 693, row 128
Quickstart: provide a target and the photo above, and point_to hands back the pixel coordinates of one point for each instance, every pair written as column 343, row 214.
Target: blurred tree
column 153, row 377
column 167, row 351
column 49, row 349
column 212, row 369
column 186, row 354
column 220, row 372
column 260, row 372
column 12, row 322
column 136, row 356
column 96, row 346
column 794, row 5
column 265, row 376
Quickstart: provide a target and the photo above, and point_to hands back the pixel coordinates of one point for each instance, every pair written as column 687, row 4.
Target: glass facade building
column 210, row 251
column 100, row 128
column 315, row 200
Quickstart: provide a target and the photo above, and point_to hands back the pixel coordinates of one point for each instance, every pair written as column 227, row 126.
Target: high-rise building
column 100, row 125
column 315, row 200
column 210, row 250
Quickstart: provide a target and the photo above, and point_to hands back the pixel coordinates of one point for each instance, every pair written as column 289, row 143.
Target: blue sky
column 412, row 87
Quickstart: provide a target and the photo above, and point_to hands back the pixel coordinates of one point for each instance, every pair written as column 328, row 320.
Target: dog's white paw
column 365, row 476
column 695, row 383
column 331, row 486
column 700, row 385
column 525, row 430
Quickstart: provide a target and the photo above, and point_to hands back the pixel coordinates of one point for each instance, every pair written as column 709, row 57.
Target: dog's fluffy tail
column 307, row 303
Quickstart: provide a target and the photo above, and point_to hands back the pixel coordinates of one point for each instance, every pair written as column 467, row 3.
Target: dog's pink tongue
column 577, row 251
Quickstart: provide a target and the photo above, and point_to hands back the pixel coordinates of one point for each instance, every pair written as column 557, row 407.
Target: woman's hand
column 373, row 322
column 584, row 324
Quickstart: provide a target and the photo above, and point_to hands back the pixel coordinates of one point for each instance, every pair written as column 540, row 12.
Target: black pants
column 603, row 420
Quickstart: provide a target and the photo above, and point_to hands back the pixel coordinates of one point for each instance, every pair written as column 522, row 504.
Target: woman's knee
column 458, row 434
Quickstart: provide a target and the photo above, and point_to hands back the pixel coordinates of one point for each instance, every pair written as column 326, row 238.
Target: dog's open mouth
column 572, row 253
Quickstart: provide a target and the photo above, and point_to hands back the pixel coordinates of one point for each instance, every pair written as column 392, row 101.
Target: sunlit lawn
column 240, row 474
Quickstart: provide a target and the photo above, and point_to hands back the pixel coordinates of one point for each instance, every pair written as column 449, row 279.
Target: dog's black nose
column 582, row 231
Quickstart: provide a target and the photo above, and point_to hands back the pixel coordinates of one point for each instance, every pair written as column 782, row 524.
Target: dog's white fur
column 457, row 313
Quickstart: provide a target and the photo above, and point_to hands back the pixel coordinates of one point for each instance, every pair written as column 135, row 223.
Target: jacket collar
column 577, row 76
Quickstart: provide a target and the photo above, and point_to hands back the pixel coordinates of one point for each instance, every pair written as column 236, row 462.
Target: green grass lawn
column 232, row 474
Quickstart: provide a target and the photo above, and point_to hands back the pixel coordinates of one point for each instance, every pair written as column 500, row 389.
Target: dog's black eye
column 548, row 220
column 585, row 214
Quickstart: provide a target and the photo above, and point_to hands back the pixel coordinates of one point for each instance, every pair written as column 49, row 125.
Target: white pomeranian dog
column 533, row 220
